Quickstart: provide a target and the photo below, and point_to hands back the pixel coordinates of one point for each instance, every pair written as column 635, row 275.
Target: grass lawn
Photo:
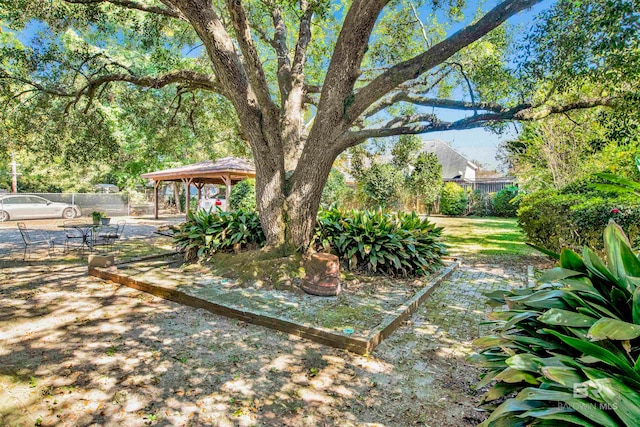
column 472, row 236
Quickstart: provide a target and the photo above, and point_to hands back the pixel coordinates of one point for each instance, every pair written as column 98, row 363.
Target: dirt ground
column 78, row 351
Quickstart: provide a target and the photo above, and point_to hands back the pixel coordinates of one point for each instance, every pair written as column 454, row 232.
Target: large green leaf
column 600, row 353
column 499, row 390
column 541, row 299
column 559, row 317
column 509, row 407
column 571, row 261
column 597, row 267
column 613, row 329
column 557, row 274
column 562, row 375
column 523, row 362
column 511, row 375
column 585, row 407
column 636, row 306
column 570, row 418
column 624, row 401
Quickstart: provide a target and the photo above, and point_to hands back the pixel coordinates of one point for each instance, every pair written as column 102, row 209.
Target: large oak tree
column 307, row 79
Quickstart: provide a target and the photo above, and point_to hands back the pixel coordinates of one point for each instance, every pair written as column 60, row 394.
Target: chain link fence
column 113, row 204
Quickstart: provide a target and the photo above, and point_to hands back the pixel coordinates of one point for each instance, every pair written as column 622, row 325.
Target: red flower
column 615, row 210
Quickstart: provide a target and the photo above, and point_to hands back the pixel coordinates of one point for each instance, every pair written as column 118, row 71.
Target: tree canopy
column 306, row 79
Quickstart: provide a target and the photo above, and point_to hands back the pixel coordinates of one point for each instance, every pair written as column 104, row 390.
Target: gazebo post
column 199, row 187
column 156, row 184
column 187, row 183
column 227, row 183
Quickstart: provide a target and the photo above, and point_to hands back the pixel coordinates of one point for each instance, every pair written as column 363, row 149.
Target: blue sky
column 476, row 144
column 480, row 144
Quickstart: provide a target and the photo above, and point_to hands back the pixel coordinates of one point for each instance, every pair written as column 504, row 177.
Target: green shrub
column 481, row 204
column 545, row 217
column 505, row 203
column 567, row 351
column 555, row 221
column 397, row 244
column 453, row 199
column 205, row 233
column 334, row 190
column 243, row 195
column 382, row 186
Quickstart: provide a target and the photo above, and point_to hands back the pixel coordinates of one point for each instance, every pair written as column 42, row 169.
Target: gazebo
column 226, row 171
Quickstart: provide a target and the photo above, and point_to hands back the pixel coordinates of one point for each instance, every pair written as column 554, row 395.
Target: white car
column 211, row 203
column 22, row 206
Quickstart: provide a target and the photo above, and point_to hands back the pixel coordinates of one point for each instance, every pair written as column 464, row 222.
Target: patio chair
column 75, row 239
column 110, row 234
column 32, row 237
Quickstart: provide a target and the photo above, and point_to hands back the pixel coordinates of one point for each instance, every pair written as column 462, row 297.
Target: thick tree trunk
column 303, row 199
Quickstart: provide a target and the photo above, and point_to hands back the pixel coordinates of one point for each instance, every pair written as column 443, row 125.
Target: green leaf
column 550, row 254
column 636, row 306
column 511, row 375
column 556, row 274
column 613, row 329
column 598, row 352
column 582, row 406
column 571, row 261
column 559, row 317
column 541, row 299
column 562, row 375
column 510, row 407
column 624, row 400
column 524, row 362
column 596, row 266
column 499, row 390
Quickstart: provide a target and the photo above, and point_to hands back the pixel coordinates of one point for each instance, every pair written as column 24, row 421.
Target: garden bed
column 368, row 311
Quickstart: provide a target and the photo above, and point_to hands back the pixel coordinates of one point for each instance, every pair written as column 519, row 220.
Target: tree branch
column 192, row 79
column 416, row 66
column 449, row 104
column 426, row 123
column 280, row 46
column 464, row 75
column 130, row 4
column 256, row 74
column 344, row 68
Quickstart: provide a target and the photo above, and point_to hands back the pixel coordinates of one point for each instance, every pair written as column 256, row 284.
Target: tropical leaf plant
column 397, row 244
column 618, row 183
column 566, row 352
column 205, row 233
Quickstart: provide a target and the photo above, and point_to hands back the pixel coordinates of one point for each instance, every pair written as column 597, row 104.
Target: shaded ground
column 78, row 351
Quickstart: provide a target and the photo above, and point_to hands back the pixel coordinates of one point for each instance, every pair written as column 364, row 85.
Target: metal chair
column 32, row 237
column 75, row 238
column 110, row 234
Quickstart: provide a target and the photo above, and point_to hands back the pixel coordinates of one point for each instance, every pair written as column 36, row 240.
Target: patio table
column 86, row 229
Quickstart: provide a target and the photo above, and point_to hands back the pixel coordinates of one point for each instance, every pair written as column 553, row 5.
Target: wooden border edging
column 146, row 258
column 393, row 321
column 319, row 335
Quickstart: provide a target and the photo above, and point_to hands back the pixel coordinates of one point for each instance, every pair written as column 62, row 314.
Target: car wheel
column 69, row 213
column 4, row 216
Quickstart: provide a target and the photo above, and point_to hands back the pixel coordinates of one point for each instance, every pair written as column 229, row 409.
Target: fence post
column 73, row 198
column 128, row 204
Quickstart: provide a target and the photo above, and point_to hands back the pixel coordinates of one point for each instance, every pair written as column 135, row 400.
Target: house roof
column 453, row 163
column 207, row 172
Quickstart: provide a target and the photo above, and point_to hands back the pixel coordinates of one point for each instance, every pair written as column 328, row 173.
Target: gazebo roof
column 207, row 172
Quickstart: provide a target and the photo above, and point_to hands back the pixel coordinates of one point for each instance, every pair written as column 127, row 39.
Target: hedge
column 555, row 221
